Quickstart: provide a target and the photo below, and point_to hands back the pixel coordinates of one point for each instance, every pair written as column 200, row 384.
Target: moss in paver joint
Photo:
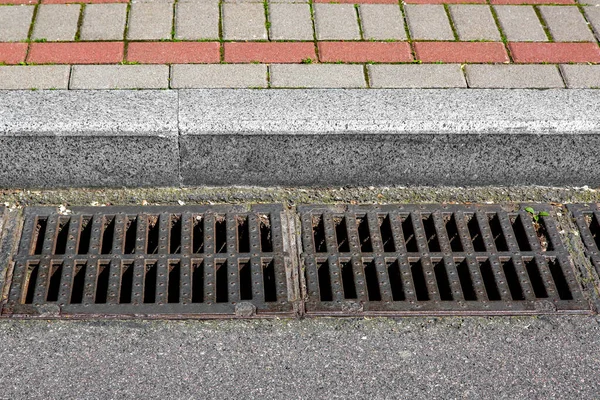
column 407, row 30
column 451, row 21
column 502, row 34
column 360, row 25
column 312, row 18
column 267, row 20
column 543, row 23
column 80, row 22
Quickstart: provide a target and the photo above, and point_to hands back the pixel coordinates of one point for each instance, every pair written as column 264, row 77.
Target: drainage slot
column 198, row 282
column 243, row 235
column 126, row 284
column 348, row 280
column 372, row 281
column 245, row 281
column 497, row 234
column 559, row 280
column 430, row 233
column 102, row 283
column 452, row 231
column 198, row 235
column 466, row 282
column 594, row 226
column 130, row 234
column 512, row 280
column 418, row 277
column 174, row 282
column 387, row 236
column 410, row 239
column 150, row 283
column 364, row 235
column 443, row 284
column 487, row 274
column 108, row 233
column 520, row 234
column 542, row 235
column 62, row 236
column 152, row 240
column 30, row 283
column 220, row 234
column 54, row 284
column 537, row 283
column 475, row 233
column 221, row 286
column 78, row 284
column 269, row 281
column 266, row 241
column 341, row 234
column 395, row 276
column 175, row 235
column 85, row 236
column 39, row 235
column 319, row 234
column 324, row 281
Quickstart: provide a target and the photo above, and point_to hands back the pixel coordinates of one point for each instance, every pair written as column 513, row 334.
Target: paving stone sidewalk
column 150, row 44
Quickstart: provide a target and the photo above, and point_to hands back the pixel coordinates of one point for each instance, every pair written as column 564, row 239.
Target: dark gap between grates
column 174, row 262
column 435, row 259
column 587, row 217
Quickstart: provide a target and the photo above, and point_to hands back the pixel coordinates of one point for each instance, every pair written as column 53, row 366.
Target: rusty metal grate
column 196, row 261
column 396, row 260
column 587, row 217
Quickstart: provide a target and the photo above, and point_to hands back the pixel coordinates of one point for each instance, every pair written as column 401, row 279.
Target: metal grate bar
column 139, row 271
column 96, row 233
column 73, row 238
column 507, row 231
column 530, row 231
column 49, row 238
column 524, row 279
column 442, row 234
column 463, row 231
column 542, row 264
column 89, row 290
column 484, row 227
column 454, row 279
column 64, row 295
column 41, row 284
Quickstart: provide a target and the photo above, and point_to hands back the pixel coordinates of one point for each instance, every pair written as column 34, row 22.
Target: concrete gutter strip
column 298, row 137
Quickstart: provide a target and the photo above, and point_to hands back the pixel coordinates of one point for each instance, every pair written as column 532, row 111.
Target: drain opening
column 102, row 283
column 126, row 283
column 497, row 234
column 220, row 234
column 466, row 282
column 78, row 283
column 30, row 282
column 150, row 277
column 243, row 235
column 395, row 277
column 269, row 281
column 348, row 283
column 174, row 282
column 475, row 233
column 364, row 236
column 452, row 231
column 175, row 235
column 387, row 236
column 318, row 228
column 559, row 280
column 512, row 280
column 198, row 235
column 153, row 231
column 341, row 234
column 108, row 233
column 39, row 235
column 62, row 235
column 245, row 281
column 431, row 234
column 489, row 281
column 198, row 282
column 84, row 238
column 443, row 283
column 221, row 285
column 594, row 227
column 542, row 234
column 520, row 233
column 408, row 231
column 418, row 277
column 324, row 281
column 266, row 241
column 373, row 291
column 537, row 283
column 54, row 278
column 130, row 235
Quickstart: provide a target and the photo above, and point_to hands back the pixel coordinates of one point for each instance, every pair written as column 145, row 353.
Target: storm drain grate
column 396, row 260
column 588, row 222
column 168, row 261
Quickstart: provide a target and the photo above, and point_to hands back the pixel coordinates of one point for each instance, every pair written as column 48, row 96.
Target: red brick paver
column 18, row 1
column 274, row 52
column 365, row 51
column 82, row 1
column 173, row 53
column 445, row 1
column 76, row 53
column 555, row 52
column 358, row 1
column 459, row 52
column 12, row 53
column 516, row 2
